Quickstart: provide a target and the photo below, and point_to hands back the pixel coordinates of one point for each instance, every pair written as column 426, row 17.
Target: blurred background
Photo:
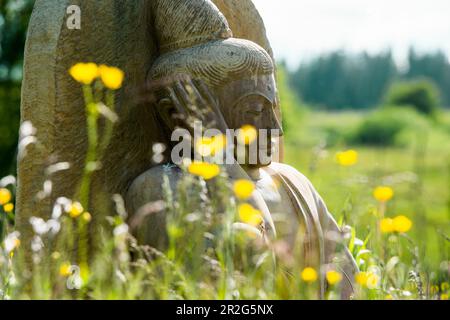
column 371, row 76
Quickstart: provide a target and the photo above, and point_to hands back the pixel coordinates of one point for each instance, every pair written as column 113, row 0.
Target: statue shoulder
column 301, row 182
column 289, row 172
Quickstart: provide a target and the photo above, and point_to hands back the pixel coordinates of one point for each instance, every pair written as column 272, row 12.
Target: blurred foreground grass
column 217, row 257
column 217, row 251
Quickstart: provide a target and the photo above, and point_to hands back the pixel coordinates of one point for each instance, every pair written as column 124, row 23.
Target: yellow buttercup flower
column 5, row 196
column 86, row 217
column 368, row 279
column 16, row 243
column 383, row 194
column 75, row 210
column 84, row 73
column 373, row 280
column 204, row 146
column 112, row 77
column 333, row 277
column 309, row 274
column 387, row 225
column 56, row 255
column 444, row 296
column 347, row 158
column 402, row 224
column 243, row 189
column 9, row 207
column 65, row 269
column 434, row 289
column 204, row 169
column 249, row 215
column 247, row 134
column 361, row 278
column 209, row 146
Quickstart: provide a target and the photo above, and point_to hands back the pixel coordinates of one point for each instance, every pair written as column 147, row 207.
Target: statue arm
column 334, row 248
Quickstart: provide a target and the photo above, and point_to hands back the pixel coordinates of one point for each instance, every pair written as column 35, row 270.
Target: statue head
column 239, row 73
column 191, row 23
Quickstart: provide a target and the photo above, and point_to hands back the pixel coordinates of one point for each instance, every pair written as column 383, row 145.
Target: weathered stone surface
column 245, row 21
column 115, row 32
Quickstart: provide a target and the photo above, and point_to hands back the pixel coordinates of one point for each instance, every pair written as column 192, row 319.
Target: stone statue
column 234, row 78
column 120, row 33
column 167, row 37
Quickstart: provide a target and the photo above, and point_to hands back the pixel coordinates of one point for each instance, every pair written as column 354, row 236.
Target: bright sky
column 300, row 29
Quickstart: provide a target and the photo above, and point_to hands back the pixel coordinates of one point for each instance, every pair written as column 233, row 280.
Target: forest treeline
column 340, row 80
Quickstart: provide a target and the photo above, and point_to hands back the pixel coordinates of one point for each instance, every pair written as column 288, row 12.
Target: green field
column 419, row 173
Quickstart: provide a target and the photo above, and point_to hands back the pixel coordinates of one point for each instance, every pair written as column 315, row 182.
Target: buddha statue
column 119, row 33
column 232, row 81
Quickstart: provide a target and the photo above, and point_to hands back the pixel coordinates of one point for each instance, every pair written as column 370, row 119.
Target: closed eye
column 164, row 102
column 254, row 112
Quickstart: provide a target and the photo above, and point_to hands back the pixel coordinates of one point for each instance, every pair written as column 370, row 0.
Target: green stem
column 92, row 116
column 3, row 222
column 91, row 156
column 381, row 240
column 109, row 125
column 228, row 254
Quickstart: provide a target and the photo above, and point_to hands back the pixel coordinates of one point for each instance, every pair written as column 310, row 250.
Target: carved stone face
column 252, row 102
column 241, row 102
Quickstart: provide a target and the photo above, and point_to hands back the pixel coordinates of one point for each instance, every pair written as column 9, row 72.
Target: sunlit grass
column 424, row 196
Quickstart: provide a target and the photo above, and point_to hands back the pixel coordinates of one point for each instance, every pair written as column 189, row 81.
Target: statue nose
column 275, row 124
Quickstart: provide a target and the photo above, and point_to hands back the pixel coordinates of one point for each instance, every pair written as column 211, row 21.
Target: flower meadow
column 216, row 247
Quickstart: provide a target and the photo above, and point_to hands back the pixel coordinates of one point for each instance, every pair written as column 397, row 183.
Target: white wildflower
column 8, row 180
column 53, row 226
column 60, row 204
column 57, row 167
column 121, row 276
column 37, row 244
column 12, row 241
column 39, row 225
column 121, row 230
column 46, row 190
column 26, row 130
